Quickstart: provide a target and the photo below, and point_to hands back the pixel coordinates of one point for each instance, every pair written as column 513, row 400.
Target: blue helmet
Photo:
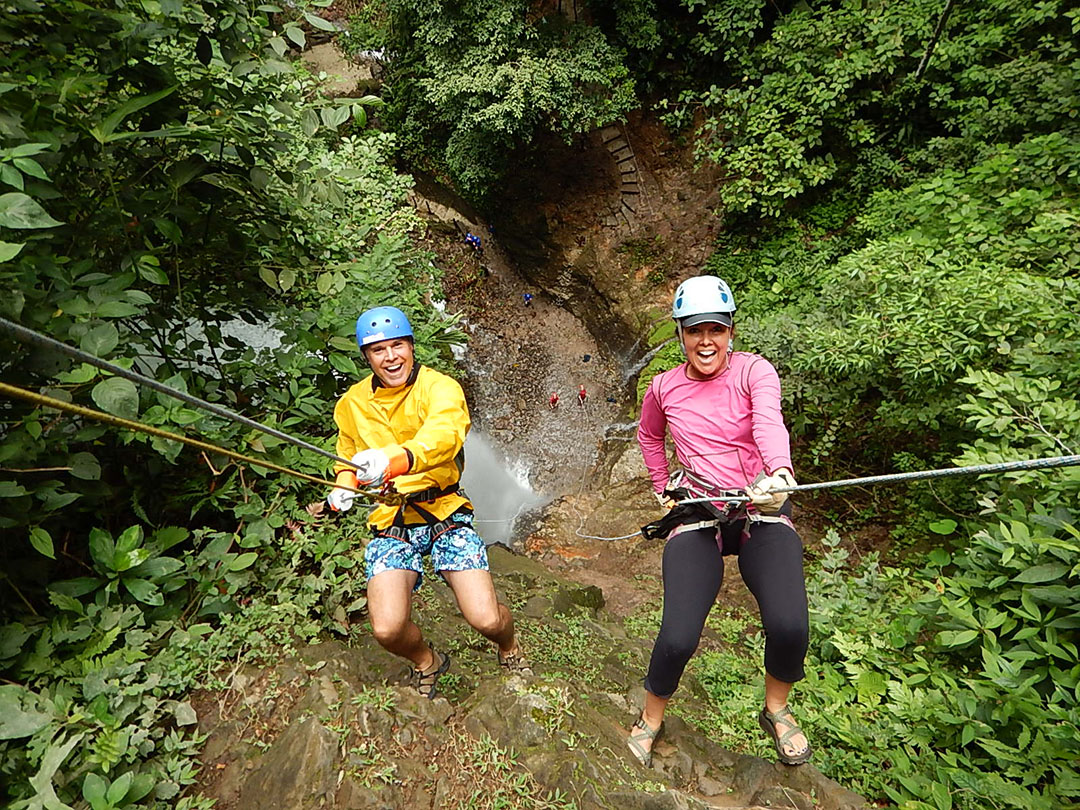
column 382, row 323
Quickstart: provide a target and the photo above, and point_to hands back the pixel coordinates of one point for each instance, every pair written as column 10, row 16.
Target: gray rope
column 922, row 475
column 34, row 338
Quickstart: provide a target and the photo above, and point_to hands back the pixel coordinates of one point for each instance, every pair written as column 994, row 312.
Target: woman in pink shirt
column 722, row 410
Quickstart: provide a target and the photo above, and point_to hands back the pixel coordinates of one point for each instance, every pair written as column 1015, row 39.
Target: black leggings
column 771, row 565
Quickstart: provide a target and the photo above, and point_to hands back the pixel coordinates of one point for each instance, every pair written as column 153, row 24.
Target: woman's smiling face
column 706, row 346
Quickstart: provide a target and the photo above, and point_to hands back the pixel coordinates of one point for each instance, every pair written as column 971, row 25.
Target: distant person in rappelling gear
column 404, row 427
column 581, row 396
column 722, row 410
column 473, row 241
column 553, row 400
column 527, row 298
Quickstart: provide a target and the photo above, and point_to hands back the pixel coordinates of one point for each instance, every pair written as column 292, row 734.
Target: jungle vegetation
column 901, row 221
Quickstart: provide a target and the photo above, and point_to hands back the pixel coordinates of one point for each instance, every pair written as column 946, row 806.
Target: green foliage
column 111, row 669
column 368, row 29
column 175, row 198
column 808, row 95
column 472, row 83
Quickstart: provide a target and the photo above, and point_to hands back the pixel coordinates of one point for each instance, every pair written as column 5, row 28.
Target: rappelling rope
column 141, row 427
column 34, row 338
column 921, row 475
column 1050, row 462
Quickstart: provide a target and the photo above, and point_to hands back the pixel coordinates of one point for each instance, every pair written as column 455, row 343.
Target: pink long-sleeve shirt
column 726, row 429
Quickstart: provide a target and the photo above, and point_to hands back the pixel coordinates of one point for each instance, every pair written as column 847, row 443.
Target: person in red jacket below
column 553, row 400
column 722, row 411
column 581, row 395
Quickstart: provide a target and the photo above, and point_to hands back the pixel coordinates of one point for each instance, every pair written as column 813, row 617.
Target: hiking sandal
column 514, row 662
column 635, row 740
column 768, row 721
column 425, row 682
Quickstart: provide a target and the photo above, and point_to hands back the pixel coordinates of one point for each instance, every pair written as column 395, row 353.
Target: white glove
column 371, row 467
column 340, row 499
column 667, row 503
column 761, row 492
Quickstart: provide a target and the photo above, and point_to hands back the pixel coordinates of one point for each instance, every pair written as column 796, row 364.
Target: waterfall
column 499, row 492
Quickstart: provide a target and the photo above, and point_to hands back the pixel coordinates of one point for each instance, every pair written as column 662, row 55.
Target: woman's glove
column 762, row 494
column 667, row 503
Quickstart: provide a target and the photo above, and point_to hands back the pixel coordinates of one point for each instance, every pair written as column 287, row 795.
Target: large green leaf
column 117, row 396
column 9, row 250
column 18, row 210
column 85, row 466
column 157, row 567
column 22, row 712
column 130, row 539
column 1043, row 573
column 102, row 547
column 9, row 489
column 143, row 590
column 93, row 790
column 167, row 537
column 318, row 22
column 103, row 132
column 42, row 782
column 125, row 560
column 100, row 339
column 42, row 542
column 243, row 561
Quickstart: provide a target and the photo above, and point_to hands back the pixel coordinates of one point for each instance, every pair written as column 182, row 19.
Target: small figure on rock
column 581, row 396
column 527, row 298
column 553, row 400
column 473, row 241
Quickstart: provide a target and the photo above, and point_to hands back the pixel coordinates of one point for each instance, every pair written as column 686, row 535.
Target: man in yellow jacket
column 406, row 423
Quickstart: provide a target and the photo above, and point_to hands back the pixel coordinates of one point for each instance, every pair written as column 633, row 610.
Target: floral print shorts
column 454, row 546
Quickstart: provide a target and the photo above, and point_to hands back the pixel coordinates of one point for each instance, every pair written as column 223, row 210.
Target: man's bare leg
column 389, row 596
column 481, row 608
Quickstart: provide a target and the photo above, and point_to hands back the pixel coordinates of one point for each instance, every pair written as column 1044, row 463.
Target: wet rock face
column 330, row 729
column 558, row 194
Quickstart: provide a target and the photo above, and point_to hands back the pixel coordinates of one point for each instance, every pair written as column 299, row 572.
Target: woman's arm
column 650, row 438
column 766, row 419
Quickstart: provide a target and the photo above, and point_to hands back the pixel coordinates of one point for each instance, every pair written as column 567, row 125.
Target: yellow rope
column 90, row 413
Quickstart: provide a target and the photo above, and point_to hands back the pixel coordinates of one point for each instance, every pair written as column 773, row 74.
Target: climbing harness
column 34, row 338
column 141, row 427
column 412, row 500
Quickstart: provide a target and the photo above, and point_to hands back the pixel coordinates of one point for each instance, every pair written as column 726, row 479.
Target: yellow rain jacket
column 428, row 418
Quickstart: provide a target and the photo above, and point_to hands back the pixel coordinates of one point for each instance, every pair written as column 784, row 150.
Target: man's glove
column 340, row 500
column 761, row 492
column 371, row 467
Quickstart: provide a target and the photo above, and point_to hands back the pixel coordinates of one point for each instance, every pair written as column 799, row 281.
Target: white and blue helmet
column 703, row 299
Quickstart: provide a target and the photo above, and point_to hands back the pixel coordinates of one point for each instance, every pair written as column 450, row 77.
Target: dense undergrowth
column 176, row 196
column 906, row 250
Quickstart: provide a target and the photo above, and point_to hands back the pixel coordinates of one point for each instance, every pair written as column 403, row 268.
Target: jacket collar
column 376, row 383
